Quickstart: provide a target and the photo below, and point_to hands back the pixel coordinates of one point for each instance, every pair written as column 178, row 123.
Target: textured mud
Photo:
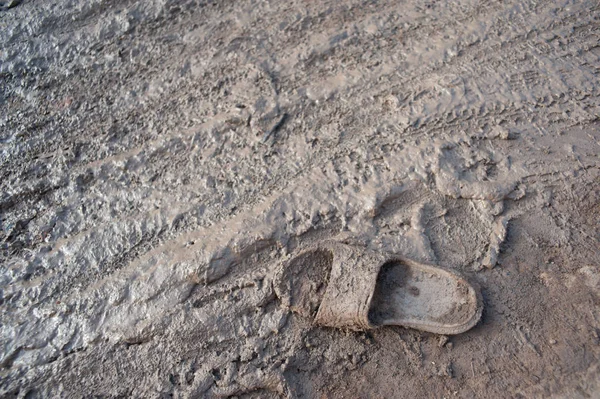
column 161, row 159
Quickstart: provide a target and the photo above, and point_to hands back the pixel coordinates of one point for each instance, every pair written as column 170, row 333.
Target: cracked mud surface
column 161, row 159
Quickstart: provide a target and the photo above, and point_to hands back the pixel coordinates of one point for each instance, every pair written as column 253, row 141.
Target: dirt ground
column 161, row 160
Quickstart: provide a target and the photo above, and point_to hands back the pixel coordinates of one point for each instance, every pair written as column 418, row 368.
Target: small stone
column 443, row 340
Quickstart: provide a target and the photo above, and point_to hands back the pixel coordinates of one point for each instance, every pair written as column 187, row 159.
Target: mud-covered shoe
column 344, row 286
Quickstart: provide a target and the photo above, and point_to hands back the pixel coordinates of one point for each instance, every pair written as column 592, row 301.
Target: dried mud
column 161, row 159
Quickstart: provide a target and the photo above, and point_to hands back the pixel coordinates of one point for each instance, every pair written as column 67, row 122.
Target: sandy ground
column 162, row 159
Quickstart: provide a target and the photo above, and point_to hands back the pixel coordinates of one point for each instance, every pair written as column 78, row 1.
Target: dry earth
column 161, row 160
